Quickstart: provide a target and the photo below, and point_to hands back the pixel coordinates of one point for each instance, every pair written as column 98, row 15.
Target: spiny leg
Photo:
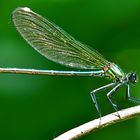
column 128, row 95
column 110, row 93
column 93, row 97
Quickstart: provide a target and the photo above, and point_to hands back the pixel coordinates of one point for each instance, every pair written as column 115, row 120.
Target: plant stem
column 94, row 125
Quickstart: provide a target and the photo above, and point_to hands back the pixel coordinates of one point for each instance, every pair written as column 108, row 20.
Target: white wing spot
column 26, row 9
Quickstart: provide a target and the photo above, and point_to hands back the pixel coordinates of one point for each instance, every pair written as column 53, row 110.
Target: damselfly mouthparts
column 58, row 46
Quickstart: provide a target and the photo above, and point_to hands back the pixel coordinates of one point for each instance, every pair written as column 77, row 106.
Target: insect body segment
column 114, row 72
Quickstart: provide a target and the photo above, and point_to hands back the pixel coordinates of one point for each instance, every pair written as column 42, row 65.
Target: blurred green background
column 42, row 107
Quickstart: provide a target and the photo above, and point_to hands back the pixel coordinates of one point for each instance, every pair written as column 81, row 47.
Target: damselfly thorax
column 113, row 72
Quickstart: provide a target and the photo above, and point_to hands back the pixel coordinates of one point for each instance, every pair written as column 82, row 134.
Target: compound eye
column 133, row 78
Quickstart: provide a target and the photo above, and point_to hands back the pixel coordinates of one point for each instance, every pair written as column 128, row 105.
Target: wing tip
column 25, row 9
column 20, row 9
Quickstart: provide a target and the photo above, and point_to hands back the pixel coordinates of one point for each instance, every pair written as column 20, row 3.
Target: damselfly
column 58, row 46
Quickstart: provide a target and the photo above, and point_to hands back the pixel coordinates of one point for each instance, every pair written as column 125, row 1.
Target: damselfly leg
column 109, row 95
column 93, row 97
column 128, row 95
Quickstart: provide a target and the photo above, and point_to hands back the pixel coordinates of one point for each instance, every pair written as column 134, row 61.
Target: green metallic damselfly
column 58, row 46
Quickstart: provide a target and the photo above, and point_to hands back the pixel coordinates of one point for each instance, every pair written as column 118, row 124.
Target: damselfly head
column 133, row 78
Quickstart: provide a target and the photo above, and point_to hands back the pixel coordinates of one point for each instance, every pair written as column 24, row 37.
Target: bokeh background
column 42, row 107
